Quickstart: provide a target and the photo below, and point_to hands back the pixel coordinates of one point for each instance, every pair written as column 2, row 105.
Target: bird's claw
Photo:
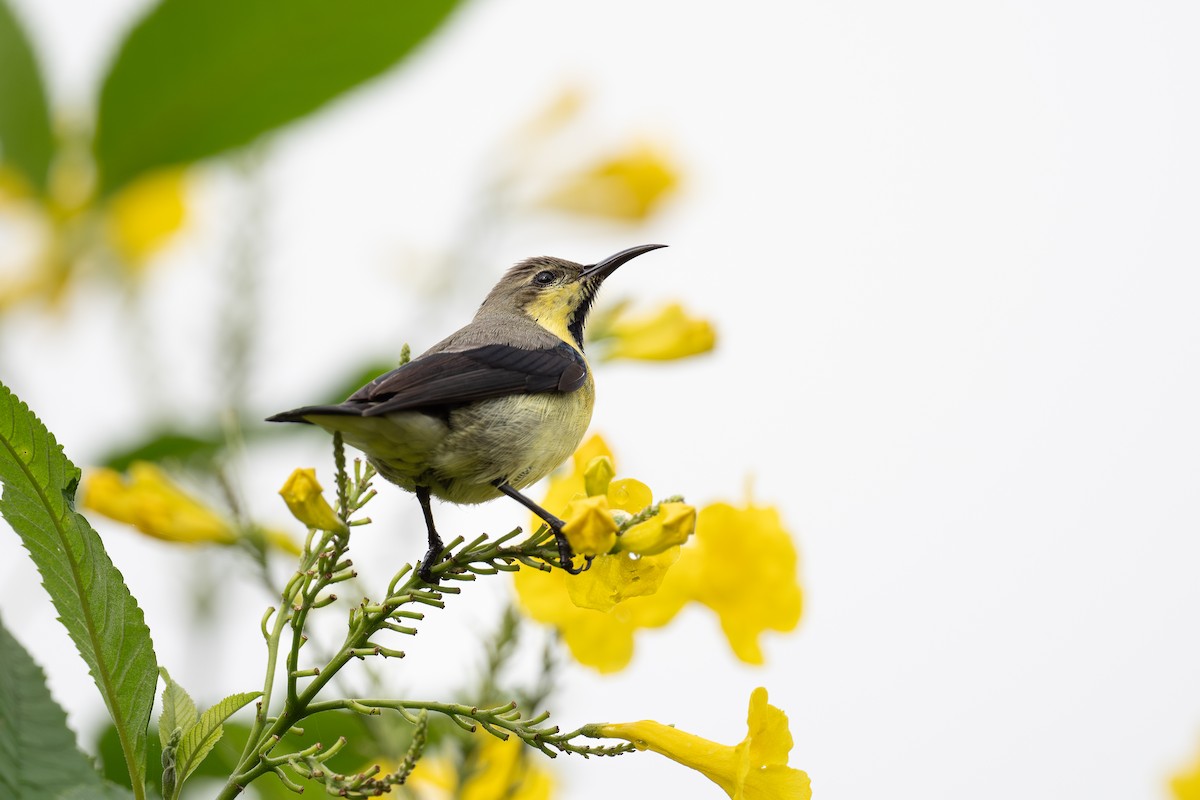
column 432, row 556
column 566, row 559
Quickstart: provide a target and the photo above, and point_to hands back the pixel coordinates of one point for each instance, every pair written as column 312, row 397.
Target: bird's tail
column 302, row 414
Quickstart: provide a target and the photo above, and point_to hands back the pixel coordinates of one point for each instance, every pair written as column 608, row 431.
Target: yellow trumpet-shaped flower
column 598, row 611
column 755, row 769
column 662, row 335
column 147, row 213
column 742, row 564
column 152, row 503
column 590, row 527
column 304, row 499
column 628, row 186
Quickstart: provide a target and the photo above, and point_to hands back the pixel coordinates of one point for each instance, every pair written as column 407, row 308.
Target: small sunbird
column 492, row 408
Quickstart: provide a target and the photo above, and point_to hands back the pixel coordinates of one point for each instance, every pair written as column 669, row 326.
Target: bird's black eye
column 544, row 278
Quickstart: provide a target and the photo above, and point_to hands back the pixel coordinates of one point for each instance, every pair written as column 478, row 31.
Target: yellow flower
column 597, row 612
column 303, row 496
column 1186, row 785
column 146, row 213
column 670, row 527
column 742, row 564
column 665, row 334
column 755, row 769
column 154, row 505
column 590, row 527
column 496, row 770
column 629, row 186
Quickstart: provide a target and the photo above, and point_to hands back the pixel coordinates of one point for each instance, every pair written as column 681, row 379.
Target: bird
column 492, row 408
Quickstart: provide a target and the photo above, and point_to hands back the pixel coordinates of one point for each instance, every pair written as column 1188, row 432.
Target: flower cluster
column 741, row 563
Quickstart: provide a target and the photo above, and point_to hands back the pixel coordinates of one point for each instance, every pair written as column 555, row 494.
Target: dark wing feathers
column 438, row 380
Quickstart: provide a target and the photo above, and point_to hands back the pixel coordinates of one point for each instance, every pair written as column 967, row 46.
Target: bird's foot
column 432, row 556
column 566, row 559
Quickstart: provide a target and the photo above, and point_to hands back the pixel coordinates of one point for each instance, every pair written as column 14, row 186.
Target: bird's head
column 556, row 293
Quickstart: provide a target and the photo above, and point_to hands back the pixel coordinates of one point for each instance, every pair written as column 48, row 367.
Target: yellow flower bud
column 670, row 527
column 303, row 496
column 628, row 187
column 590, row 527
column 666, row 334
column 598, row 475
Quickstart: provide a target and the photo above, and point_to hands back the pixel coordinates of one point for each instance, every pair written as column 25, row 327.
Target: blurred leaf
column 104, row 791
column 89, row 593
column 178, row 709
column 357, row 379
column 199, row 740
column 167, row 445
column 26, row 141
column 198, row 77
column 38, row 756
column 112, row 760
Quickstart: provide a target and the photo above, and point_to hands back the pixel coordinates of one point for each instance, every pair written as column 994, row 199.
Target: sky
column 950, row 250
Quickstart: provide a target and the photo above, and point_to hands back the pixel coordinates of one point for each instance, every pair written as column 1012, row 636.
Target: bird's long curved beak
column 602, row 269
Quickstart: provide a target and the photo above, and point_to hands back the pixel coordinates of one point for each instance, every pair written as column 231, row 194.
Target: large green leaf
column 198, row 77
column 92, row 600
column 26, row 141
column 38, row 756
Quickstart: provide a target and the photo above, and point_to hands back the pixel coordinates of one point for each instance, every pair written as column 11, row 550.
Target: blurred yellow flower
column 496, row 770
column 665, row 334
column 755, row 769
column 1186, row 785
column 152, row 503
column 742, row 565
column 304, row 499
column 590, row 527
column 146, row 213
column 628, row 186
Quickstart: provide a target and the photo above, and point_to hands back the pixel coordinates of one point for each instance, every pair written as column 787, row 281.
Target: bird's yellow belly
column 517, row 439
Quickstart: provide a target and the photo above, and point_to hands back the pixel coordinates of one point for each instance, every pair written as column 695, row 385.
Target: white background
column 951, row 249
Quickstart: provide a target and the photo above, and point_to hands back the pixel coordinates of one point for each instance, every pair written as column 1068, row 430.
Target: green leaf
column 89, row 593
column 26, row 141
column 178, row 709
column 38, row 756
column 195, row 78
column 204, row 735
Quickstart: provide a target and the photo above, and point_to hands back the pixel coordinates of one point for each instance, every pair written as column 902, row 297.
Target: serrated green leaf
column 195, row 78
column 26, row 139
column 178, row 710
column 204, row 735
column 91, row 597
column 38, row 756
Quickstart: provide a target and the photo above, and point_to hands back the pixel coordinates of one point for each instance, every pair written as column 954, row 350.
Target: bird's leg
column 565, row 557
column 434, row 553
